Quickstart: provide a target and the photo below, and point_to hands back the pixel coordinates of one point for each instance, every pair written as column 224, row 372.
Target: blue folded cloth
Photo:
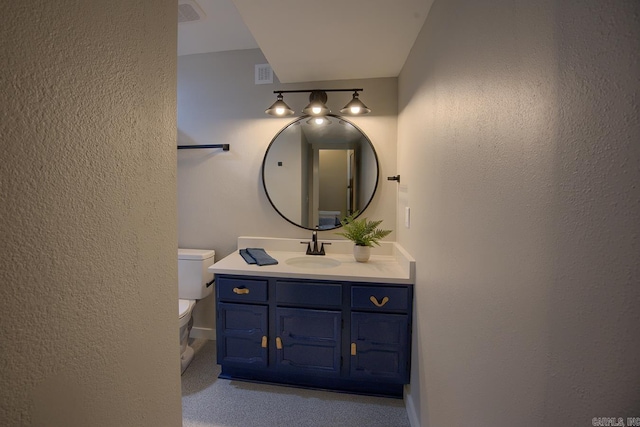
column 248, row 258
column 257, row 256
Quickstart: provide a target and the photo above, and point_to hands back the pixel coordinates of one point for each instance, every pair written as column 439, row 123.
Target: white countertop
column 389, row 263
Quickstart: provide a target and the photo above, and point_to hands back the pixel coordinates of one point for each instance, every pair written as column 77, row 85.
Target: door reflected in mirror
column 315, row 174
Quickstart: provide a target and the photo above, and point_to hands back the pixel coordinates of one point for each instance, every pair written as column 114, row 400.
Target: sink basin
column 309, row 261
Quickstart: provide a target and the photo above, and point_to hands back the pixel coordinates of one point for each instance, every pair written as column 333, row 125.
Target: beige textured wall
column 519, row 153
column 220, row 194
column 88, row 214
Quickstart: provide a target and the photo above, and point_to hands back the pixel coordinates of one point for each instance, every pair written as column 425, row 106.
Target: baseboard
column 411, row 410
column 206, row 333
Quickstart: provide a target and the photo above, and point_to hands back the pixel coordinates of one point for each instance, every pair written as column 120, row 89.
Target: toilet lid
column 184, row 305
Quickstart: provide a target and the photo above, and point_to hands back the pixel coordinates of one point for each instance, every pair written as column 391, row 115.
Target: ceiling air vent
column 264, row 74
column 189, row 11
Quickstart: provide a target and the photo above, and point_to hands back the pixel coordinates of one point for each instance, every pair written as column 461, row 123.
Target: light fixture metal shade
column 355, row 106
column 317, row 104
column 279, row 108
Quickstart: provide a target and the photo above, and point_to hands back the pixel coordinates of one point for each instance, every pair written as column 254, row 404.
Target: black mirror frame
column 305, row 117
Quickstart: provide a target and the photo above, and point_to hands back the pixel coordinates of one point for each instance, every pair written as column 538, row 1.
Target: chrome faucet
column 313, row 250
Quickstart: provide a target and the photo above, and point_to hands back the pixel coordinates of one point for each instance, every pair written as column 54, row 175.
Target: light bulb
column 279, row 111
column 316, row 110
column 355, row 109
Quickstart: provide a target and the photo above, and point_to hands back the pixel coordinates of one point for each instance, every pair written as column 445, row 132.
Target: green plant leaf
column 362, row 232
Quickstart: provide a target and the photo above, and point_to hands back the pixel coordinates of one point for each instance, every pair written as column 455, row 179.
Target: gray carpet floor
column 213, row 402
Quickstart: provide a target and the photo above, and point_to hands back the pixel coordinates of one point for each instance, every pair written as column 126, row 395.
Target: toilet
column 193, row 278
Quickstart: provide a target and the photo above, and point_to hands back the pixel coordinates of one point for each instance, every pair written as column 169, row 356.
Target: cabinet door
column 380, row 346
column 308, row 341
column 242, row 335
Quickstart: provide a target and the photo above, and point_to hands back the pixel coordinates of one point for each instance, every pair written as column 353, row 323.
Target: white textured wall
column 88, row 214
column 220, row 194
column 519, row 150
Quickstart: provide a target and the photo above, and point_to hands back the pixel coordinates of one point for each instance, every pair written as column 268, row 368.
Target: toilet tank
column 192, row 273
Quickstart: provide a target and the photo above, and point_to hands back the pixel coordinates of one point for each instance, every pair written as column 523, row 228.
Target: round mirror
column 316, row 171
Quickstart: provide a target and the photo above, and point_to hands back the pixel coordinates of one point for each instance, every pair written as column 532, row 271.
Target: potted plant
column 363, row 233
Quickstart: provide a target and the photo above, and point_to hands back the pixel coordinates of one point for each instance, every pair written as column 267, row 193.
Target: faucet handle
column 322, row 247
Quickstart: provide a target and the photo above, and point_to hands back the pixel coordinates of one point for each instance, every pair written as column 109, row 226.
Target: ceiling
column 305, row 40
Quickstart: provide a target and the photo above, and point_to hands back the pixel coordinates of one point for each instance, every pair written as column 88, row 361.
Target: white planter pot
column 361, row 253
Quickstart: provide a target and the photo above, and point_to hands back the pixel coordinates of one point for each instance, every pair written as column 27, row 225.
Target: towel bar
column 225, row 147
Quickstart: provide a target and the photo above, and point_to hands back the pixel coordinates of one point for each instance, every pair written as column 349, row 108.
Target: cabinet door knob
column 278, row 343
column 353, row 349
column 377, row 303
column 264, row 341
column 240, row 291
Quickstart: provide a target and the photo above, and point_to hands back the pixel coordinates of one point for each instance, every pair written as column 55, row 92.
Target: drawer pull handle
column 353, row 349
column 377, row 303
column 264, row 341
column 278, row 343
column 240, row 291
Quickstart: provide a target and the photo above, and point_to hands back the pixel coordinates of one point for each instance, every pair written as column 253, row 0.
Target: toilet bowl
column 185, row 307
column 194, row 283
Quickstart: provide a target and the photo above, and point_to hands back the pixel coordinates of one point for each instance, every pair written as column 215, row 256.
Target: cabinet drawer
column 235, row 289
column 316, row 294
column 380, row 298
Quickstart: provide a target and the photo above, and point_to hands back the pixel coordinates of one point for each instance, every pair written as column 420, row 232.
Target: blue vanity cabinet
column 338, row 335
column 379, row 346
column 381, row 333
column 244, row 333
column 308, row 327
column 242, row 323
column 308, row 341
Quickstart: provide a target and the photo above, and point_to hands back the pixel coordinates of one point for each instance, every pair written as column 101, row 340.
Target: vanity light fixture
column 279, row 108
column 317, row 106
column 355, row 106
